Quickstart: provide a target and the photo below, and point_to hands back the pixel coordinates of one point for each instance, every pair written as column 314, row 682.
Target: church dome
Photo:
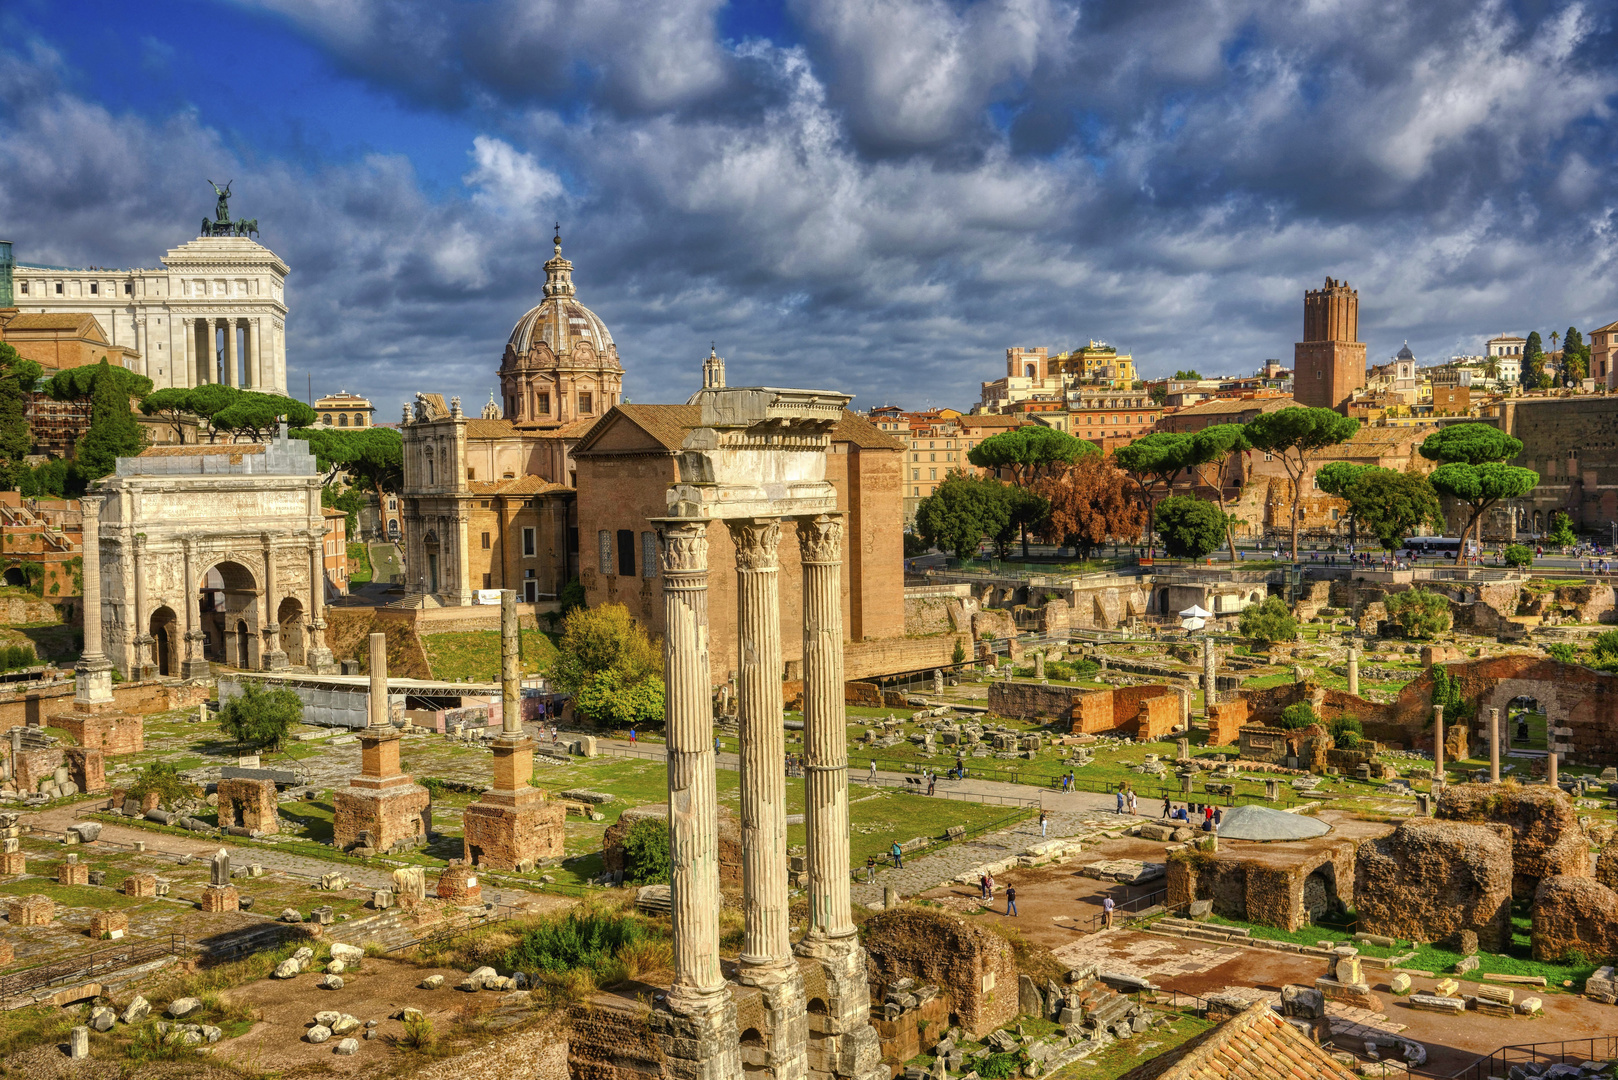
column 1405, row 353
column 559, row 320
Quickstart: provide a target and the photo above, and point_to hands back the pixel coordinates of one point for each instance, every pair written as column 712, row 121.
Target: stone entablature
column 166, row 314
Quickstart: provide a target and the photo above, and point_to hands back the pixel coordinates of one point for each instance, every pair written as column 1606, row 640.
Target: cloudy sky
column 877, row 196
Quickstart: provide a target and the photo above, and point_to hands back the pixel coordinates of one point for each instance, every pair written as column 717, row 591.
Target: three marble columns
column 767, row 958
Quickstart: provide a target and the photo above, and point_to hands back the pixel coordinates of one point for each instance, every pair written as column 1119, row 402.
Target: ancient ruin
column 382, row 809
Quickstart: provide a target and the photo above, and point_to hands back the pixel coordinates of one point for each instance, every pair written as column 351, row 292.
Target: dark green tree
column 605, row 638
column 1269, row 622
column 1295, row 435
column 1206, row 456
column 1575, row 356
column 1159, row 393
column 80, row 384
column 257, row 415
column 114, row 432
column 1473, row 469
column 1533, row 362
column 646, row 853
column 1518, row 555
column 961, row 512
column 1334, row 478
column 1298, row 716
column 1192, row 374
column 1419, row 613
column 1392, row 504
column 17, row 379
column 259, row 717
column 1028, row 452
column 1190, row 527
column 1152, row 460
column 1561, row 531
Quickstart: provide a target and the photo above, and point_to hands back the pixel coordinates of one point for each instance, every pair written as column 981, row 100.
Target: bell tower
column 1329, row 363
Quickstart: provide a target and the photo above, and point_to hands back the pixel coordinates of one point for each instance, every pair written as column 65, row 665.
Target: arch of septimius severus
column 758, row 464
column 210, row 552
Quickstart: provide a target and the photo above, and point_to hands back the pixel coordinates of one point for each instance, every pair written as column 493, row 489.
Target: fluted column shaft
column 766, row 951
column 140, row 635
column 1494, row 746
column 699, row 985
column 232, row 376
column 1438, row 747
column 91, row 507
column 820, row 545
column 255, row 358
column 210, row 355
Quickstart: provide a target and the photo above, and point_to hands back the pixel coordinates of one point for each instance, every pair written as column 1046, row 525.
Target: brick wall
column 40, row 704
column 971, row 963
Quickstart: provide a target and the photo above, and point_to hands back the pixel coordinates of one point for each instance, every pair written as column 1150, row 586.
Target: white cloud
column 511, row 181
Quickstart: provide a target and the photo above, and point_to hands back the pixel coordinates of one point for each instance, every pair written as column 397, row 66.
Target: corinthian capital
column 756, row 540
column 820, row 538
column 682, row 547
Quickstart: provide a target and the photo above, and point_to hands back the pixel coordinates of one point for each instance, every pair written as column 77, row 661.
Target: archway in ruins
column 164, row 628
column 15, row 576
column 1525, row 721
column 754, row 1055
column 1538, row 698
column 819, row 1057
column 290, row 616
column 229, row 598
column 1320, row 898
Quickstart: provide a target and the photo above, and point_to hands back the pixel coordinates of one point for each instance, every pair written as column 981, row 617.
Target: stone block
column 221, row 898
column 109, row 925
column 1574, row 914
column 13, row 862
column 458, row 884
column 142, row 885
column 73, row 873
column 249, row 804
column 1429, row 880
column 32, row 910
column 78, row 1043
column 1437, row 1003
column 1400, row 984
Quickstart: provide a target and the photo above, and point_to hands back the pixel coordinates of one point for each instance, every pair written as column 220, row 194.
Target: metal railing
column 1500, row 1062
column 1139, row 903
column 90, row 965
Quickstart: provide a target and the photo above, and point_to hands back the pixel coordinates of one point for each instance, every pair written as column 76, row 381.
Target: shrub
column 1269, row 622
column 1519, row 555
column 1606, row 643
column 587, row 940
column 1298, row 716
column 418, row 1032
column 646, row 853
column 1419, row 613
column 1562, row 651
column 260, row 717
column 959, row 655
column 13, row 657
column 164, row 779
column 999, row 1067
column 1347, row 733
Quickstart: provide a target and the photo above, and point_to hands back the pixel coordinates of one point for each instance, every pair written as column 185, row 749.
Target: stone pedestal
column 33, row 910
column 700, row 1044
column 513, row 826
column 458, row 885
column 73, row 872
column 141, row 885
column 109, row 925
column 102, row 727
column 13, row 862
column 221, row 898
column 381, row 805
column 249, row 804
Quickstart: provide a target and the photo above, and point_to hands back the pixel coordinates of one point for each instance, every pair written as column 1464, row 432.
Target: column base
column 783, row 1047
column 842, row 1041
column 275, row 660
column 698, row 1037
column 92, row 681
column 322, row 662
column 195, row 669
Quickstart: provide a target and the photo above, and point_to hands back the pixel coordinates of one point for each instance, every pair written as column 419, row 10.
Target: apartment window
column 604, row 542
column 1268, row 456
column 586, row 404
column 1334, row 515
column 932, row 457
column 932, row 474
column 471, row 474
column 485, row 541
column 528, row 542
column 626, row 553
column 58, row 288
column 648, row 554
column 542, row 403
column 915, row 474
column 915, row 491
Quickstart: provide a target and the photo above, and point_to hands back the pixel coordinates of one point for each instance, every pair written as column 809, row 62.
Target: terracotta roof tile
column 489, row 429
column 521, row 485
column 1256, row 1045
column 1221, row 406
column 50, row 320
column 235, row 451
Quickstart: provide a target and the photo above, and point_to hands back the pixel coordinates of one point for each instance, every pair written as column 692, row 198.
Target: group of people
column 1211, row 815
column 986, row 887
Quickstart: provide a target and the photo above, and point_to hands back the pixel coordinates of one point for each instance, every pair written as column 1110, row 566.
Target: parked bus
column 1447, row 546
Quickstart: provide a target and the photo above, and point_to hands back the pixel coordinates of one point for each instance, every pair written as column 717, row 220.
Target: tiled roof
column 1223, row 406
column 854, row 428
column 235, row 450
column 59, row 320
column 489, row 429
column 1256, row 1045
column 527, row 484
column 669, row 425
column 994, row 420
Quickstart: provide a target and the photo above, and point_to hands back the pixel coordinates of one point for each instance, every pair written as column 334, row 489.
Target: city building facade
column 344, row 410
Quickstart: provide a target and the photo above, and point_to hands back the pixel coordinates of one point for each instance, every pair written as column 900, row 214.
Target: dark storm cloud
column 917, row 185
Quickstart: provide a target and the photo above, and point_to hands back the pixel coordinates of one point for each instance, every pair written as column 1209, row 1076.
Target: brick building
column 335, row 548
column 63, row 339
column 47, row 533
column 1329, row 363
column 1603, row 342
column 626, row 464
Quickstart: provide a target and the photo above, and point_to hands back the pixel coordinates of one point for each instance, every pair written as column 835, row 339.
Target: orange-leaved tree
column 1090, row 503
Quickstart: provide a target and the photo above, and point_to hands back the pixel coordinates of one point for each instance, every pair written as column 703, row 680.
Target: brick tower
column 1329, row 363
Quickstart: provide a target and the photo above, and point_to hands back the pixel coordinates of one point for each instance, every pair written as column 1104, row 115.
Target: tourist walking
column 1106, row 911
column 983, row 886
column 932, row 783
column 1168, row 807
column 898, row 856
column 873, row 770
column 1133, row 806
column 631, row 736
column 1044, row 823
column 1120, row 802
column 1011, row 899
column 870, row 869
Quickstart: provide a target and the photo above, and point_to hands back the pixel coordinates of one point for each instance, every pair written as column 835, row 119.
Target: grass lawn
column 360, row 556
column 475, row 654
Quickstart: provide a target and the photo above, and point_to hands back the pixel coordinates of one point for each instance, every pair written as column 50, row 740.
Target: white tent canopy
column 1195, row 612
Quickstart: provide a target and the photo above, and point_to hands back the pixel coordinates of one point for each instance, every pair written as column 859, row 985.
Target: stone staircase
column 390, row 929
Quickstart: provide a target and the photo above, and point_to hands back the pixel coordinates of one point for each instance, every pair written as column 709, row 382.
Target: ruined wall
column 971, row 963
column 39, row 704
column 1225, row 720
column 730, row 840
column 1262, row 889
column 1574, row 914
column 1429, row 880
column 1547, row 839
column 608, row 1038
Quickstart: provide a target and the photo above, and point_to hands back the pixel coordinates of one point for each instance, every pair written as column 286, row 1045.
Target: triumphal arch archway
column 212, row 553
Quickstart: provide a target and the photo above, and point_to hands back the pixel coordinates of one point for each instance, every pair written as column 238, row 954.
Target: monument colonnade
column 256, row 362
column 768, row 958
